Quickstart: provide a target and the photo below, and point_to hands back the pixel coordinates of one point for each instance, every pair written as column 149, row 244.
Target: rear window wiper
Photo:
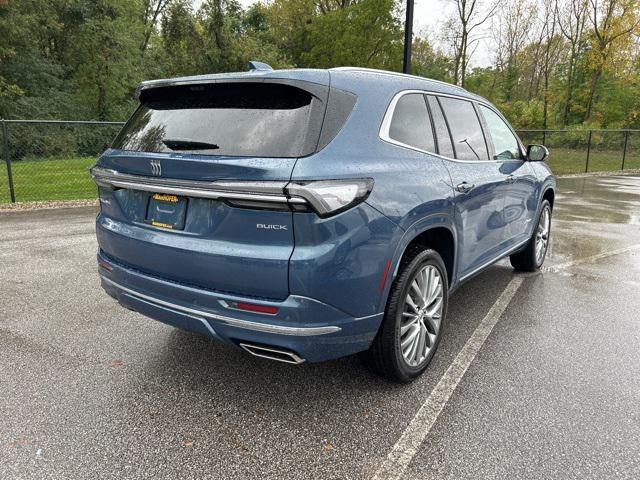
column 185, row 144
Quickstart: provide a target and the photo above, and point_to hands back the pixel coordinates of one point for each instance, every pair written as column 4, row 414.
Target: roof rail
column 259, row 66
column 398, row 74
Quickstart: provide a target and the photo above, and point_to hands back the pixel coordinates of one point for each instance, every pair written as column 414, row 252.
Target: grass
column 564, row 160
column 49, row 179
column 68, row 178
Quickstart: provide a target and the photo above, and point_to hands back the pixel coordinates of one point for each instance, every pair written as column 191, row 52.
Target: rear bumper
column 312, row 329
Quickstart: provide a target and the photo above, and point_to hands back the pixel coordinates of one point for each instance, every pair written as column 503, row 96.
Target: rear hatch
column 192, row 190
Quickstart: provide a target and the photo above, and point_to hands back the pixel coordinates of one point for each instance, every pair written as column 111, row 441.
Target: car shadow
column 226, row 374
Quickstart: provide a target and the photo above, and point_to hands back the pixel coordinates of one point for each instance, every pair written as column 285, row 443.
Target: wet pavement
column 90, row 390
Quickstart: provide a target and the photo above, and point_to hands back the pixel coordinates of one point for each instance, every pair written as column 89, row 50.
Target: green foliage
column 58, row 140
column 104, row 56
column 82, row 59
column 365, row 34
column 429, row 62
column 68, row 58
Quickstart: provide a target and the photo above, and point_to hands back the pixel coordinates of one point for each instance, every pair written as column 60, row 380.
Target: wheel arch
column 440, row 239
column 549, row 194
column 436, row 232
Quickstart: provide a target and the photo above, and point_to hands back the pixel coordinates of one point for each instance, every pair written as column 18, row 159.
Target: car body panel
column 196, row 166
column 167, row 301
column 479, row 213
column 340, row 260
column 218, row 242
column 520, row 200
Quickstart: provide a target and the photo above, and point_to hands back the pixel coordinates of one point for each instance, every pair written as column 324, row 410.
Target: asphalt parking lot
column 537, row 376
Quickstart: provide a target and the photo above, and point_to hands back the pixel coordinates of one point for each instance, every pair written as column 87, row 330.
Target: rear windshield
column 236, row 119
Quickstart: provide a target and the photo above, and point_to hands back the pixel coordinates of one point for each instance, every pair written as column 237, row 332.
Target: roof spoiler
column 259, row 66
column 255, row 68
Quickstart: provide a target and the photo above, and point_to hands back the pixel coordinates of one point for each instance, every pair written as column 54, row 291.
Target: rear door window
column 504, row 141
column 466, row 131
column 234, row 119
column 410, row 124
column 445, row 147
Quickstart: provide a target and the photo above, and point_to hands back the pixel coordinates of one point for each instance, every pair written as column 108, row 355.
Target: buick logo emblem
column 156, row 167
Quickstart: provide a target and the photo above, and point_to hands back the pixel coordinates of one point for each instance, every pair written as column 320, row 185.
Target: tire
column 386, row 356
column 528, row 259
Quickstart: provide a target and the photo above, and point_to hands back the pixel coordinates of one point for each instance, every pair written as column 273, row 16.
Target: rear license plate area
column 166, row 211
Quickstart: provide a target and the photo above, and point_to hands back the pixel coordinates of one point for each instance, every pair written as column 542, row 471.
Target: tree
column 179, row 40
column 9, row 92
column 555, row 62
column 572, row 17
column 512, row 27
column 460, row 32
column 289, row 23
column 31, row 72
column 103, row 52
column 366, row 34
column 547, row 50
column 613, row 21
column 152, row 10
column 428, row 61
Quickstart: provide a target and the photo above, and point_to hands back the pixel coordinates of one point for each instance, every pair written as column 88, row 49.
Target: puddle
column 594, row 215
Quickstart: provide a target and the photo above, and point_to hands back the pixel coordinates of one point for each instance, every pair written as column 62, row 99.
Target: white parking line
column 407, row 446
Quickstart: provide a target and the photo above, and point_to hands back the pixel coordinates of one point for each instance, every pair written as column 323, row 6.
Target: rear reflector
column 106, row 265
column 385, row 274
column 252, row 307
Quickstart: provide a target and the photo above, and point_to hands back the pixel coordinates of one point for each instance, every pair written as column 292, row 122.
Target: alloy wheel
column 542, row 234
column 422, row 315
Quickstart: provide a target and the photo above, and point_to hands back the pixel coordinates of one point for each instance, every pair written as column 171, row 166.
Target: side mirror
column 537, row 153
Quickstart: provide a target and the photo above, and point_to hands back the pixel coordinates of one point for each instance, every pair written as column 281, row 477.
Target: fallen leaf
column 243, row 448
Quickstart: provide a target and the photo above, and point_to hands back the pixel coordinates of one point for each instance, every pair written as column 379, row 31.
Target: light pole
column 408, row 36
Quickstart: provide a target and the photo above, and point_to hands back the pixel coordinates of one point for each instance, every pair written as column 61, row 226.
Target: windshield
column 235, row 119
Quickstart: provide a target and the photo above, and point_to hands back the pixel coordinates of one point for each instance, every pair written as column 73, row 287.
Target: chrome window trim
column 386, row 124
column 233, row 322
column 267, row 191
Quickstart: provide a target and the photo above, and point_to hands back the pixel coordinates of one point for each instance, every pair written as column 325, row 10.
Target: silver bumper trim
column 267, row 191
column 233, row 322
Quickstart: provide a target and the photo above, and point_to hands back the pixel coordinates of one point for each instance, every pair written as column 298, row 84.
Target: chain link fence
column 48, row 159
column 582, row 151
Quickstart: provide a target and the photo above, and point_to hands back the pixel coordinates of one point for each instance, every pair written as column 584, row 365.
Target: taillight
column 330, row 197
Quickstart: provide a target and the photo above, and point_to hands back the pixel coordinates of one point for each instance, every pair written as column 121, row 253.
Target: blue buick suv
column 304, row 215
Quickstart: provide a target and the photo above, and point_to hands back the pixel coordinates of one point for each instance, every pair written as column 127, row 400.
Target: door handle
column 464, row 187
column 511, row 179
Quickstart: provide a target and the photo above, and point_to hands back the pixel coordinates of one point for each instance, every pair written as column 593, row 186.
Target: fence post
column 7, row 159
column 586, row 166
column 624, row 149
column 544, row 136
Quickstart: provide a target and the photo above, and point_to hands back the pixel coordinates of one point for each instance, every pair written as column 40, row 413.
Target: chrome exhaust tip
column 273, row 353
